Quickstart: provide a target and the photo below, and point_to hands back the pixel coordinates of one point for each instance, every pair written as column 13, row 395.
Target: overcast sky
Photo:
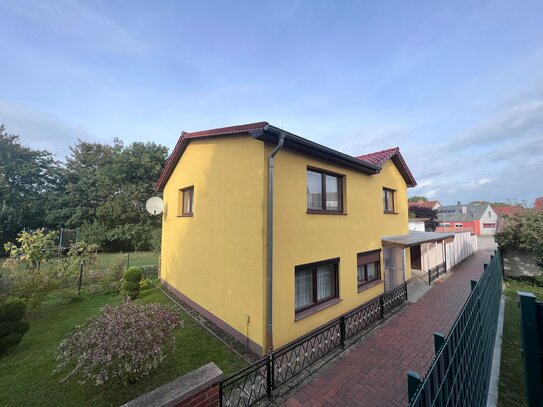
column 457, row 85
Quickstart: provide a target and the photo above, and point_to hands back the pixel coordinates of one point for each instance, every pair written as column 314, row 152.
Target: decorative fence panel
column 248, row 386
column 363, row 317
column 257, row 381
column 294, row 358
column 435, row 272
column 394, row 298
column 460, row 372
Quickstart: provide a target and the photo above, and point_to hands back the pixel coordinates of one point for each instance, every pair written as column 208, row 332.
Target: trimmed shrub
column 145, row 284
column 12, row 310
column 7, row 327
column 130, row 285
column 122, row 345
column 12, row 328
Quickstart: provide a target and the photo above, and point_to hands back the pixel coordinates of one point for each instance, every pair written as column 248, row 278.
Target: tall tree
column 417, row 198
column 26, row 178
column 109, row 183
column 432, row 223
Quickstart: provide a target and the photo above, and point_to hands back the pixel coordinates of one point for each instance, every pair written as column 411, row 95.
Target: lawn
column 511, row 385
column 136, row 258
column 26, row 373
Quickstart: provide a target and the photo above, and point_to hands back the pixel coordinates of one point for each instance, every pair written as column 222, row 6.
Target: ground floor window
column 316, row 283
column 368, row 267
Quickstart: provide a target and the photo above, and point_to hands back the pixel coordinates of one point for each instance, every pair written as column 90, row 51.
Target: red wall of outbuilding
column 473, row 226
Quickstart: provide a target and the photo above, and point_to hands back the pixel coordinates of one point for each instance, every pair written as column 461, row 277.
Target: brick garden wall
column 199, row 388
column 208, row 397
column 517, row 263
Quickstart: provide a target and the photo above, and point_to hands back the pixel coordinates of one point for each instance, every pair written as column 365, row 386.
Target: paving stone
column 374, row 373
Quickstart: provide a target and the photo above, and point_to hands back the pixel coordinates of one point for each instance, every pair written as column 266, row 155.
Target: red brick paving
column 374, row 372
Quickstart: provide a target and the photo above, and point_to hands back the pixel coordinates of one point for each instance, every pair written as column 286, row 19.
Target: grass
column 26, row 373
column 511, row 384
column 136, row 258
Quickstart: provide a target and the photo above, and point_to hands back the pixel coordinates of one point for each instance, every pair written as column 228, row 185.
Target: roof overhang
column 414, row 238
column 264, row 132
column 301, row 145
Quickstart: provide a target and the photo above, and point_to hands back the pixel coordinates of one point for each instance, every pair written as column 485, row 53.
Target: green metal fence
column 531, row 315
column 460, row 372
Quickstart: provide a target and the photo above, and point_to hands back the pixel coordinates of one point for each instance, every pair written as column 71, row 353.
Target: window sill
column 367, row 286
column 185, row 216
column 390, row 213
column 313, row 310
column 313, row 212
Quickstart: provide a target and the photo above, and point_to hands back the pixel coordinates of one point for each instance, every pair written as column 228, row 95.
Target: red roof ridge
column 380, row 157
column 220, row 131
column 183, row 140
column 377, row 159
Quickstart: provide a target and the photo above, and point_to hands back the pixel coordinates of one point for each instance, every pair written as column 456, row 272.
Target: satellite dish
column 154, row 205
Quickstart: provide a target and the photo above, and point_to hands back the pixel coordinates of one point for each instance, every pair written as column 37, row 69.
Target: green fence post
column 439, row 340
column 530, row 349
column 127, row 261
column 413, row 383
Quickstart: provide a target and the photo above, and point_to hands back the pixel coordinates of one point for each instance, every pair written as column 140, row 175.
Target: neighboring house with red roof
column 478, row 219
column 434, row 205
column 538, row 203
column 503, row 211
column 271, row 235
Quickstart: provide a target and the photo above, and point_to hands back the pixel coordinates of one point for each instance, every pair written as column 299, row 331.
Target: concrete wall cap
column 180, row 389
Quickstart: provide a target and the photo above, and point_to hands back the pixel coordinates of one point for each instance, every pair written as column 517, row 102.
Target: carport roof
column 415, row 238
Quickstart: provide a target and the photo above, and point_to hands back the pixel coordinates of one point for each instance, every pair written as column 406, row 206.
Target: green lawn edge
column 26, row 373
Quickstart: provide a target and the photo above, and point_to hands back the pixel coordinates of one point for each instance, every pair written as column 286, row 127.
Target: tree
column 111, row 183
column 523, row 231
column 417, row 198
column 421, row 212
column 99, row 183
column 27, row 177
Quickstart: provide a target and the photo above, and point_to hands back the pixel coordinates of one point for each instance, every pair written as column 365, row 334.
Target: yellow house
column 271, row 235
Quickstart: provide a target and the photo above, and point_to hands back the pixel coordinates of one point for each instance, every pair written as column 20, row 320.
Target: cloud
column 513, row 123
column 41, row 130
column 77, row 21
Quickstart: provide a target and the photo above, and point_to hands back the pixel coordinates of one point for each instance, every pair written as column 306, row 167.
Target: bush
column 33, row 271
column 7, row 327
column 146, row 284
column 93, row 233
column 130, row 285
column 156, row 240
column 523, row 231
column 136, row 236
column 12, row 328
column 12, row 310
column 111, row 348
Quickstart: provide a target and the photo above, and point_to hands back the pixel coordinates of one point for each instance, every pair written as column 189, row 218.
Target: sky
column 457, row 85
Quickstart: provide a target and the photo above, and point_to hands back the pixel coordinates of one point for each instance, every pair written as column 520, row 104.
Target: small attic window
column 186, row 201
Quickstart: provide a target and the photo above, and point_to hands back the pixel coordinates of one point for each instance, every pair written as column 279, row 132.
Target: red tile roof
column 377, row 158
column 538, row 203
column 424, row 204
column 507, row 209
column 380, row 157
column 181, row 145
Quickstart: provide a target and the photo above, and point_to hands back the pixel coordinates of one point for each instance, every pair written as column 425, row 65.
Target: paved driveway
column 374, row 372
column 486, row 243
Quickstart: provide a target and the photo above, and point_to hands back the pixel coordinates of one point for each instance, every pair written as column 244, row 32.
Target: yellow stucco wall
column 216, row 257
column 302, row 238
